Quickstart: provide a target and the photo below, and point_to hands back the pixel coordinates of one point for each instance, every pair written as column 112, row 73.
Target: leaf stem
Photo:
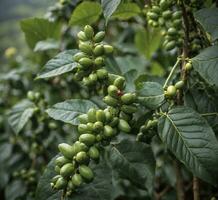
column 196, row 193
column 171, row 73
column 209, row 114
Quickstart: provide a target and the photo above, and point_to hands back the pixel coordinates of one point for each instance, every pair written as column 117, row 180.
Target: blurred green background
column 11, row 12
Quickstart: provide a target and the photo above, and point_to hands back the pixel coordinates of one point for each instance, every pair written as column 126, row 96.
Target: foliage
column 82, row 119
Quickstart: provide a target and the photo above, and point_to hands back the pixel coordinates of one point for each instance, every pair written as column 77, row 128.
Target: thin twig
column 179, row 182
column 171, row 73
column 209, row 114
column 196, row 191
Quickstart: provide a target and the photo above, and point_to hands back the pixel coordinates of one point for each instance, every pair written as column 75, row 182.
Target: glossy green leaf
column 133, row 161
column 45, row 45
column 109, row 7
column 38, row 29
column 203, row 104
column 188, row 135
column 69, row 110
column 20, row 114
column 86, row 13
column 58, row 65
column 207, row 17
column 147, row 41
column 150, row 94
column 206, row 64
column 126, row 11
column 15, row 190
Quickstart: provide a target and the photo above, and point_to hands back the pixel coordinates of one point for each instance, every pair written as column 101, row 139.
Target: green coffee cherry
column 86, row 81
column 77, row 180
column 86, row 62
column 172, row 31
column 110, row 101
column 55, row 178
column 164, row 4
column 82, row 36
column 82, row 128
column 188, row 66
column 119, row 82
column 100, row 116
column 98, row 50
column 114, row 122
column 112, row 90
column 153, row 15
column 171, row 91
column 102, row 74
column 108, row 49
column 124, row 126
column 167, row 14
column 177, row 23
column 83, row 119
column 99, row 61
column 67, row 150
column 129, row 109
column 156, row 9
column 61, row 160
column 108, row 116
column 99, row 138
column 128, row 98
column 67, row 170
column 30, row 95
column 86, row 172
column 61, row 183
column 79, row 146
column 70, row 186
column 179, row 84
column 94, row 153
column 177, row 15
column 98, row 126
column 93, row 78
column 90, row 126
column 151, row 123
column 99, row 37
column 82, row 157
column 125, row 116
column 86, row 47
column 170, row 45
column 91, row 115
column 87, row 139
column 89, row 32
column 78, row 56
column 57, row 169
column 108, row 131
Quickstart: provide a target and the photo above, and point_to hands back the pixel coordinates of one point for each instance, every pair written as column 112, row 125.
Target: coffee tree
column 124, row 106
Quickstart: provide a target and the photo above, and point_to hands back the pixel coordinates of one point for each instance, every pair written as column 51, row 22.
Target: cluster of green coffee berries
column 27, row 175
column 165, row 14
column 90, row 59
column 124, row 102
column 146, row 131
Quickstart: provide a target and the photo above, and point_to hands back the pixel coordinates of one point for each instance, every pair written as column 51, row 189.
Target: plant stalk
column 196, row 190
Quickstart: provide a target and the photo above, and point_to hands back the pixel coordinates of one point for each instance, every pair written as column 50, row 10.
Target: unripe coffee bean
column 99, row 37
column 89, row 32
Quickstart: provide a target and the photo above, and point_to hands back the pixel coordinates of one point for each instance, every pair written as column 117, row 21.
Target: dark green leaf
column 147, row 41
column 150, row 94
column 192, row 140
column 14, row 190
column 60, row 64
column 126, row 11
column 206, row 64
column 38, row 29
column 86, row 13
column 20, row 114
column 69, row 110
column 109, row 7
column 133, row 161
column 207, row 17
column 46, row 45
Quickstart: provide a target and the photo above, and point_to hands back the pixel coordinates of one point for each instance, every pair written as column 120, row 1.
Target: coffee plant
column 114, row 100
